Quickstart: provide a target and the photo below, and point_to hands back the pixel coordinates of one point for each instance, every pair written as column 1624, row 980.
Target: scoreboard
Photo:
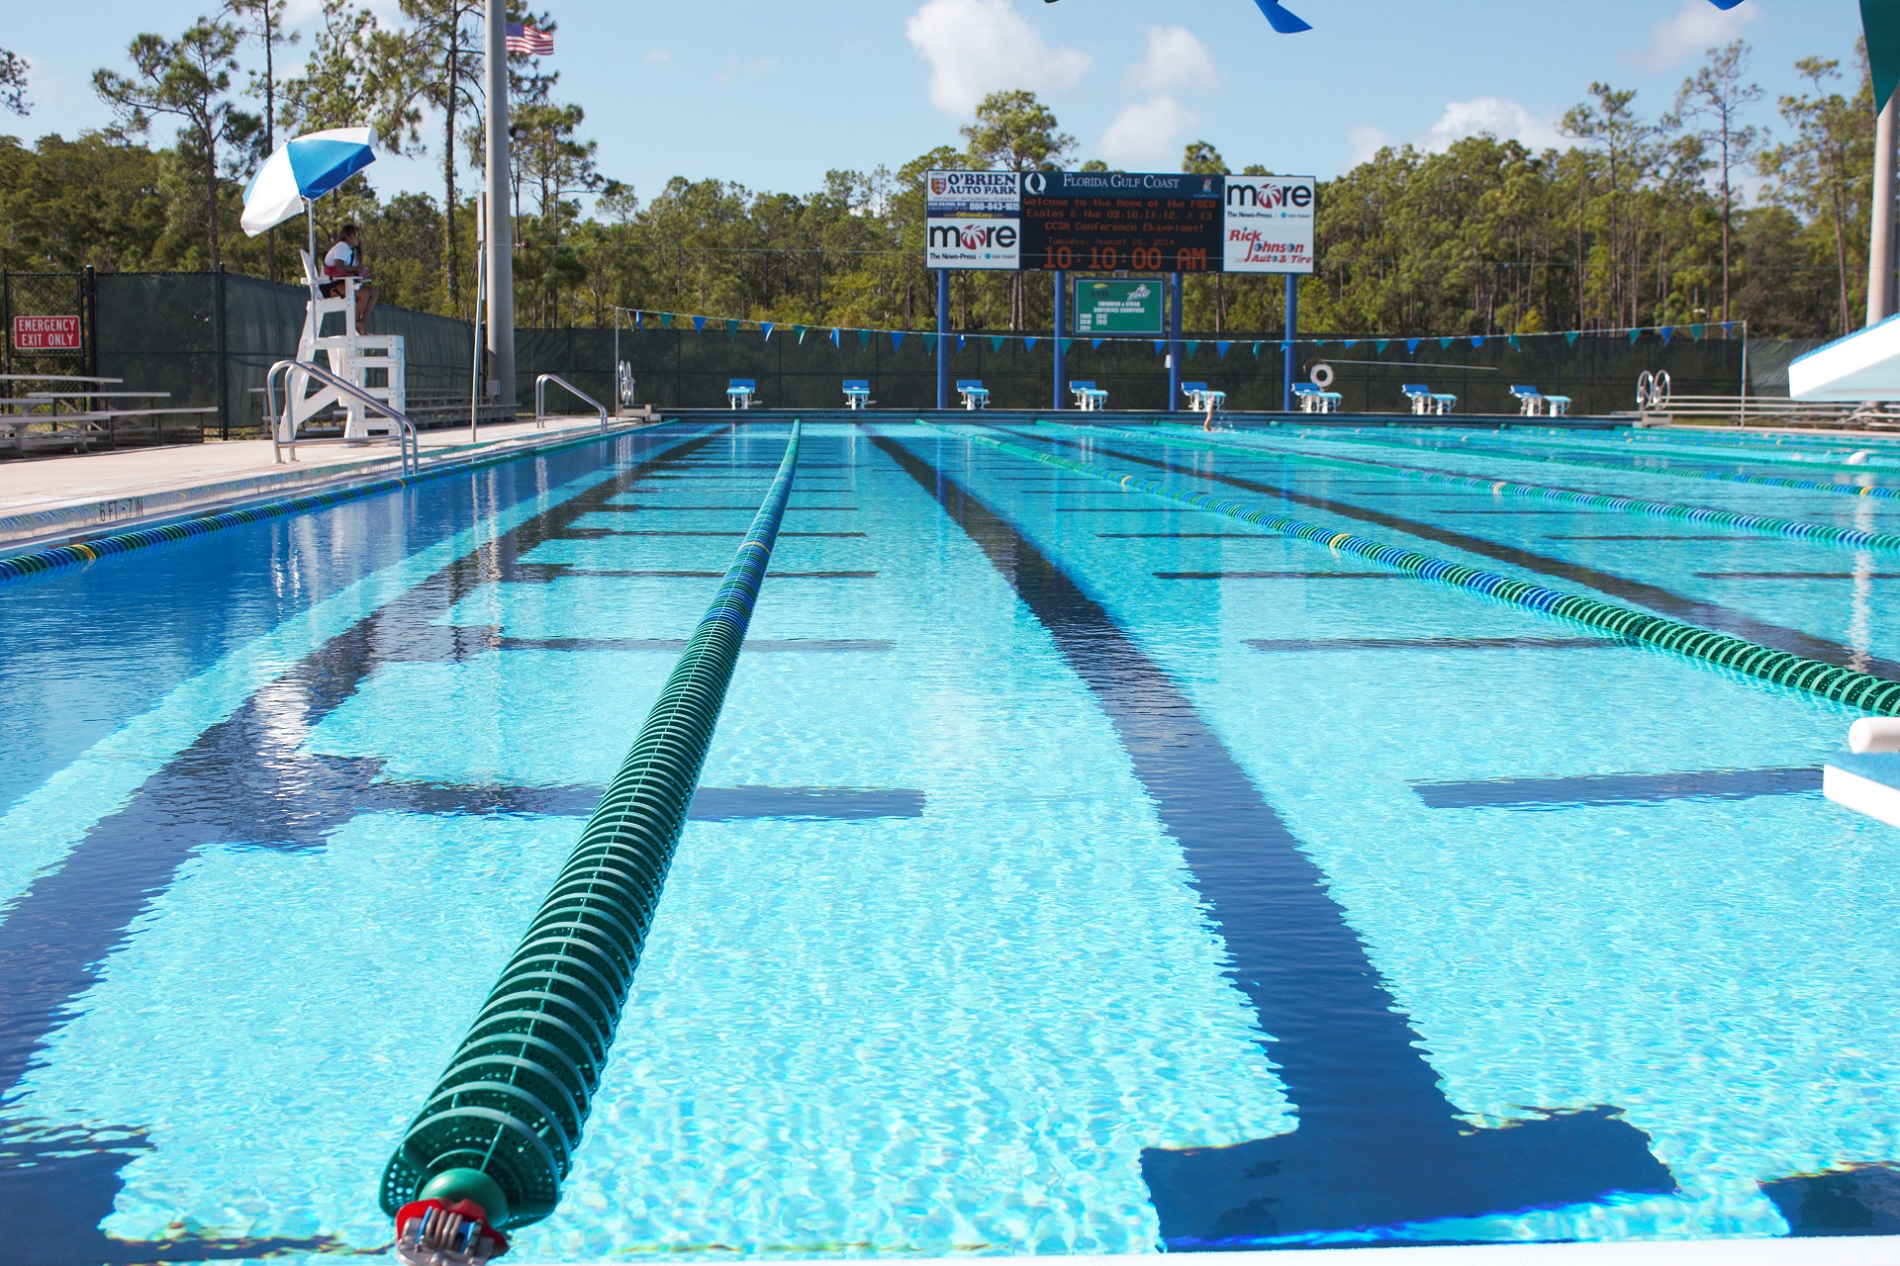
column 1111, row 221
column 1118, row 222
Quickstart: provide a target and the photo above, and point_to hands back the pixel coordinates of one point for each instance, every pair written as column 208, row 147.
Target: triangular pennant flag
column 1477, row 340
column 864, row 338
column 1695, row 332
column 1192, row 346
column 1728, row 327
column 835, row 333
column 732, row 328
column 636, row 320
column 1067, row 343
column 1161, row 345
column 960, row 342
column 666, row 320
column 997, row 341
column 1668, row 332
column 767, row 326
column 1381, row 344
column 1411, row 345
column 1349, row 342
column 1634, row 335
column 930, row 342
column 1029, row 343
column 1256, row 349
column 1444, row 343
column 1222, row 348
column 800, row 331
column 1096, row 343
column 1515, row 345
column 897, row 339
column 699, row 325
column 1570, row 336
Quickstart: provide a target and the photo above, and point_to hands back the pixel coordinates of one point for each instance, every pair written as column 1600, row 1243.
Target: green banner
column 1117, row 306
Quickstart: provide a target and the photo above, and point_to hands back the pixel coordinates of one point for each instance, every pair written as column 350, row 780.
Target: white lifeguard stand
column 373, row 362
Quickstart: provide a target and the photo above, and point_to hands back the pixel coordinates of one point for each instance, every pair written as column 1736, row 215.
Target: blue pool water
column 1071, row 872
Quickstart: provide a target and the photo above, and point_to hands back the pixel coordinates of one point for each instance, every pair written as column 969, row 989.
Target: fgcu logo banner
column 1269, row 224
column 973, row 219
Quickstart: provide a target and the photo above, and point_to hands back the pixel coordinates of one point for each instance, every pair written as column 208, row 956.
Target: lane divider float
column 496, row 1137
column 1709, row 476
column 1839, row 685
column 1812, row 533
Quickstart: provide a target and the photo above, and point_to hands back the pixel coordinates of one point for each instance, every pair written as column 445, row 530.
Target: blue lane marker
column 1601, row 789
column 1378, row 1144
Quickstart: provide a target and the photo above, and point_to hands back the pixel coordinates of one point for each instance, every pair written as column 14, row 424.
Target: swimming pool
column 1072, row 871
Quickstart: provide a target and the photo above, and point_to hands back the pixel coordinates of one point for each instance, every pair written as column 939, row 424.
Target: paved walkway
column 47, row 498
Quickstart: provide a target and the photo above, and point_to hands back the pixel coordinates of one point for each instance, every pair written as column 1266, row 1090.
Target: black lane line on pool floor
column 1294, row 644
column 1377, row 1143
column 244, row 781
column 675, row 645
column 1612, row 789
column 1667, row 602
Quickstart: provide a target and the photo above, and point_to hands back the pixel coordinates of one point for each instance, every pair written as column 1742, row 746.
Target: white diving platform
column 1866, row 777
column 1862, row 368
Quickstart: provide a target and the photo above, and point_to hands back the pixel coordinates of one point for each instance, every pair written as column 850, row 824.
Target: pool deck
column 53, row 500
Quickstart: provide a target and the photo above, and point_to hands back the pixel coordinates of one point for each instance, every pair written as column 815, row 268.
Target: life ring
column 1321, row 375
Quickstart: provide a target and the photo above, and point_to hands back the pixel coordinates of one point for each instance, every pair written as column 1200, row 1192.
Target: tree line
column 1693, row 214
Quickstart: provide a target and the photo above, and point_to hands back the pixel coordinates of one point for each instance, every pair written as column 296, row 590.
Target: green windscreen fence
column 682, row 367
column 209, row 338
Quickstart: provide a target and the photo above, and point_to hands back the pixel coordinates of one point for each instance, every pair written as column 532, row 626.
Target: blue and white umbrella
column 301, row 171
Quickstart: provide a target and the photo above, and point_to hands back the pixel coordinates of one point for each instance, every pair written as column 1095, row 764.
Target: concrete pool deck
column 51, row 500
column 1844, row 1250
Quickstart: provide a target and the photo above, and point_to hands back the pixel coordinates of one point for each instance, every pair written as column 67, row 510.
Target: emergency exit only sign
column 45, row 333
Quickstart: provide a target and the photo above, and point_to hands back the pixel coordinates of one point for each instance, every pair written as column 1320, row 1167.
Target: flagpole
column 500, row 256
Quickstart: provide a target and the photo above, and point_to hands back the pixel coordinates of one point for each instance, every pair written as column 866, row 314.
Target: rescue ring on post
column 1321, row 375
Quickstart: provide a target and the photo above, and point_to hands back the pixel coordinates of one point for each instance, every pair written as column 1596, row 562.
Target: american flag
column 529, row 41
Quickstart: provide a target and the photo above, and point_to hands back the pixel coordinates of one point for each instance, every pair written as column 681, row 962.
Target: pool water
column 1072, row 872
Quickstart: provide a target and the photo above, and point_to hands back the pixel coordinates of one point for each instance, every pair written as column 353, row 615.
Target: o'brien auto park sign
column 1118, row 221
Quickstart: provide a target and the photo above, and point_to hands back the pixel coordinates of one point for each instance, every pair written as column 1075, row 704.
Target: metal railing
column 541, row 399
column 406, row 435
column 1656, row 405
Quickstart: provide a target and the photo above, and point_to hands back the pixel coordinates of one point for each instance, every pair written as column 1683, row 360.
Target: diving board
column 1863, row 367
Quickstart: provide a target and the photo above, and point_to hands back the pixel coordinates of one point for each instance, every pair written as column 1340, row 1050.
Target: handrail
column 406, row 435
column 541, row 399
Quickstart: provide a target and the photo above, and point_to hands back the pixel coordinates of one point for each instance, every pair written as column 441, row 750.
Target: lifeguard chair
column 374, row 362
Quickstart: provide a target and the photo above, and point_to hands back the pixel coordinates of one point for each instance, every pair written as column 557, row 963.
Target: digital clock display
column 1122, row 221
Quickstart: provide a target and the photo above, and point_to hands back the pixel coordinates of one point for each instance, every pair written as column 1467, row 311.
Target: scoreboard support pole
column 1062, row 287
column 1174, row 342
column 1286, row 347
column 943, row 338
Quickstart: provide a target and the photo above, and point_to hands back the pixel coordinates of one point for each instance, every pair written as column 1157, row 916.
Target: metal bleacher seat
column 740, row 392
column 1314, row 400
column 973, row 393
column 1088, row 397
column 857, row 393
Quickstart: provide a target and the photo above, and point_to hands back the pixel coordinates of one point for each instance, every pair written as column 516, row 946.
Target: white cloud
column 1146, row 132
column 976, row 47
column 1696, row 26
column 1364, row 142
column 1504, row 119
column 1175, row 58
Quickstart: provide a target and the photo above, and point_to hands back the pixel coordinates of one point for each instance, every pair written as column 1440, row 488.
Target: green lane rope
column 1813, row 533
column 1760, row 481
column 1840, row 685
column 22, row 565
column 503, row 1123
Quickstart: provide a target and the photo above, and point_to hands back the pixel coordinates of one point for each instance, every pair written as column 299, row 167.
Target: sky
column 774, row 93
